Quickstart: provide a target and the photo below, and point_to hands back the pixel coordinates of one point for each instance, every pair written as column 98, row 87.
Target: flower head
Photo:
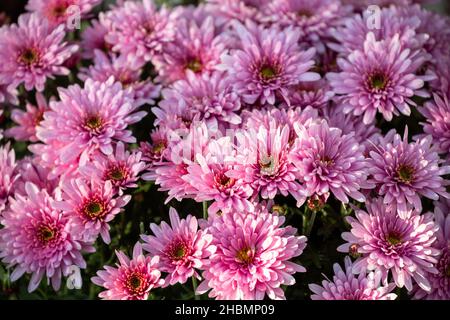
column 8, row 174
column 402, row 247
column 252, row 258
column 182, row 248
column 133, row 279
column 347, row 286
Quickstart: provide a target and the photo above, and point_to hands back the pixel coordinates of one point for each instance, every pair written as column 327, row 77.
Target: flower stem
column 205, row 210
column 311, row 223
column 194, row 286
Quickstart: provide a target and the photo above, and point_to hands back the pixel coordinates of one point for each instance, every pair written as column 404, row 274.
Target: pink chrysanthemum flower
column 440, row 282
column 89, row 118
column 381, row 78
column 28, row 120
column 313, row 18
column 208, row 97
column 37, row 238
column 182, row 248
column 138, row 30
column 252, row 258
column 59, row 12
column 132, row 279
column 154, row 152
column 90, row 206
column 329, row 161
column 93, row 38
column 269, row 62
column 263, row 161
column 8, row 174
column 31, row 51
column 210, row 177
column 7, row 93
column 30, row 171
column 346, row 286
column 122, row 168
column 437, row 115
column 196, row 48
column 403, row 172
column 402, row 247
column 241, row 10
column 117, row 66
column 314, row 94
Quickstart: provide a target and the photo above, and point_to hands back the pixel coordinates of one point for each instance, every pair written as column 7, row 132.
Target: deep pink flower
column 89, row 118
column 29, row 170
column 196, row 48
column 132, row 279
column 347, row 286
column 402, row 247
column 329, row 161
column 138, row 30
column 90, row 206
column 403, row 172
column 252, row 258
column 210, row 177
column 106, row 66
column 8, row 174
column 241, row 10
column 28, row 120
column 37, row 238
column 121, row 168
column 63, row 12
column 269, row 62
column 31, row 51
column 93, row 38
column 182, row 248
column 440, row 282
column 381, row 78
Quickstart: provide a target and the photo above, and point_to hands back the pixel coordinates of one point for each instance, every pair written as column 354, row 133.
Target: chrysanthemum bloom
column 122, row 168
column 90, row 206
column 7, row 93
column 209, row 97
column 93, row 38
column 315, row 94
column 440, row 282
column 132, row 279
column 381, row 78
column 252, row 258
column 31, row 51
column 182, row 248
column 210, row 177
column 437, row 115
column 169, row 172
column 138, row 30
column 89, row 118
column 403, row 172
column 402, row 247
column 117, row 66
column 313, row 18
column 196, row 48
column 62, row 11
column 29, row 170
column 37, row 238
column 153, row 152
column 347, row 286
column 263, row 161
column 241, row 10
column 8, row 174
column 329, row 161
column 28, row 120
column 269, row 62
column 393, row 20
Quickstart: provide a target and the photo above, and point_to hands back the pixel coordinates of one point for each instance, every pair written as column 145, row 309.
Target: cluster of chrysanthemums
column 252, row 100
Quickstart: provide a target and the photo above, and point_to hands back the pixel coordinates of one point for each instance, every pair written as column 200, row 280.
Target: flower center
column 59, row 10
column 116, row 172
column 394, row 238
column 326, row 161
column 159, row 147
column 304, row 13
column 378, row 81
column 267, row 72
column 177, row 250
column 268, row 165
column 136, row 283
column 46, row 233
column 94, row 208
column 222, row 180
column 195, row 65
column 405, row 173
column 353, row 251
column 94, row 122
column 29, row 56
column 245, row 256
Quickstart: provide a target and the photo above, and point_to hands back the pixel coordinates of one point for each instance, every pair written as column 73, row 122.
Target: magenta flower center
column 245, row 256
column 195, row 65
column 394, row 238
column 405, row 173
column 29, row 56
column 59, row 10
column 94, row 123
column 46, row 233
column 94, row 209
column 222, row 181
column 177, row 250
column 377, row 81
